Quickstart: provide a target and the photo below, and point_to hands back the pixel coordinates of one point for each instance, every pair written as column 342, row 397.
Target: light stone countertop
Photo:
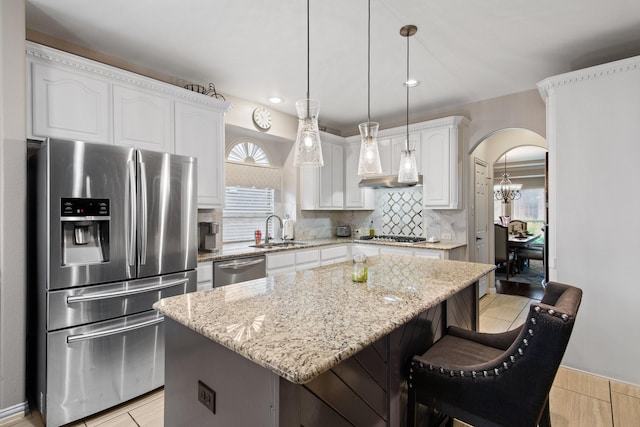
column 241, row 249
column 301, row 324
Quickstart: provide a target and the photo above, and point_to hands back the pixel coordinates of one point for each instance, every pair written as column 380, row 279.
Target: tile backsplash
column 402, row 213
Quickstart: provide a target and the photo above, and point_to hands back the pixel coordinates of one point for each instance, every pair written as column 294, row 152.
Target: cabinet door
column 394, row 250
column 385, row 149
column 354, row 196
column 367, row 249
column 440, row 161
column 307, row 258
column 200, row 133
column 205, row 276
column 68, row 105
column 331, row 177
column 142, row 120
column 429, row 253
column 334, row 254
column 279, row 263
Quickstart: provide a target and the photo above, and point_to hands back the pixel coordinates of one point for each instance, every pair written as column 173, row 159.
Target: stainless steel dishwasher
column 229, row 271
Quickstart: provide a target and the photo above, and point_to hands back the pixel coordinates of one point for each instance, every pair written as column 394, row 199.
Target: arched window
column 248, row 152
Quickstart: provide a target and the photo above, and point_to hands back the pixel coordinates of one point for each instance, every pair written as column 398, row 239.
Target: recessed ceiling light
column 411, row 83
column 276, row 100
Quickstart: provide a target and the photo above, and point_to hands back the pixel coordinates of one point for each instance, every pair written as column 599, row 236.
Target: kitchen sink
column 278, row 245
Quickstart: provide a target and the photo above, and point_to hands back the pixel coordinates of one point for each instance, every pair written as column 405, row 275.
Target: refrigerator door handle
column 131, row 246
column 144, row 219
column 114, row 331
column 117, row 294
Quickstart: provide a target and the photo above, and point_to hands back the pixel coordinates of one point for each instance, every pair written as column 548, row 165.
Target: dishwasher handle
column 236, row 265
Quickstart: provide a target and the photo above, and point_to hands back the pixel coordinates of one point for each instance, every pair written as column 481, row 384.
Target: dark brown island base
column 311, row 348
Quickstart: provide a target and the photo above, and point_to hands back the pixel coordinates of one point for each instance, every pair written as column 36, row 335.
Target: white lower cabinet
column 334, row 254
column 307, row 258
column 430, row 253
column 368, row 250
column 371, row 250
column 395, row 250
column 205, row 276
column 281, row 262
column 302, row 259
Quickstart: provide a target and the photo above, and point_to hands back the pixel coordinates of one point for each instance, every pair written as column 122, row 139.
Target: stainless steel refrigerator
column 114, row 231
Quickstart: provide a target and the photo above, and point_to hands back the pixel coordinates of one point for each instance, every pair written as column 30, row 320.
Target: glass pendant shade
column 369, row 163
column 408, row 170
column 308, row 152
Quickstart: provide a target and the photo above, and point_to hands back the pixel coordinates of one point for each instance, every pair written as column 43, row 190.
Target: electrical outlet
column 207, row 396
column 446, row 236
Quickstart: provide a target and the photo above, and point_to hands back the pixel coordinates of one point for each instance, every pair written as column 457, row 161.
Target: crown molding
column 458, row 121
column 67, row 60
column 546, row 86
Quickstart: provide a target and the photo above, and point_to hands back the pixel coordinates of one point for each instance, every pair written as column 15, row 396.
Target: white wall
column 593, row 132
column 12, row 207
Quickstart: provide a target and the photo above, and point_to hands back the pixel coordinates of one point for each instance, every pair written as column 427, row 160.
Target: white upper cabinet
column 71, row 97
column 200, row 133
column 323, row 188
column 399, row 144
column 331, row 182
column 442, row 163
column 142, row 119
column 391, row 143
column 68, row 104
column 355, row 198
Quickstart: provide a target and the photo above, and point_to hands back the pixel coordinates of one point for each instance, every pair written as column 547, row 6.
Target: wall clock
column 262, row 118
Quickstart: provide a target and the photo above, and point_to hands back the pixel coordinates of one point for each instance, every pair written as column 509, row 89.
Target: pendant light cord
column 308, row 62
column 369, row 65
column 407, row 84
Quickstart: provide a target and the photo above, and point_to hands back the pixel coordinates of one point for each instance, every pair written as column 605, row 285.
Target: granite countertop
column 235, row 250
column 301, row 324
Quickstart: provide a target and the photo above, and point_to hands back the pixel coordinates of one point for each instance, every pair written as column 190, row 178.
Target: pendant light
column 308, row 151
column 408, row 171
column 506, row 191
column 369, row 163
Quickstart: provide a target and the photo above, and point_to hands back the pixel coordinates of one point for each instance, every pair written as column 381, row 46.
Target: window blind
column 245, row 211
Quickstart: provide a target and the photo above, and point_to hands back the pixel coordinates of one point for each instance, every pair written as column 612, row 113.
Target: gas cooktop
column 398, row 239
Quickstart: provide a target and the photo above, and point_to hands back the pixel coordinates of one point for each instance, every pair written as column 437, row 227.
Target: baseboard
column 13, row 413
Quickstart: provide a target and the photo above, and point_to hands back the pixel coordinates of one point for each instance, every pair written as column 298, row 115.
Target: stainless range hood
column 386, row 181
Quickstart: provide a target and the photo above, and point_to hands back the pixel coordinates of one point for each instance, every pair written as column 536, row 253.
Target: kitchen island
column 311, row 347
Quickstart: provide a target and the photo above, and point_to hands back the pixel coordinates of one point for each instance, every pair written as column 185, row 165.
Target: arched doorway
column 484, row 155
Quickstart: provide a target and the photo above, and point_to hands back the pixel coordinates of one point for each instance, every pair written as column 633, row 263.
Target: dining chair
column 516, row 226
column 501, row 379
column 502, row 253
column 525, row 254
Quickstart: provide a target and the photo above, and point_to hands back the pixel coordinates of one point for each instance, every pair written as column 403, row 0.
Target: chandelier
column 506, row 191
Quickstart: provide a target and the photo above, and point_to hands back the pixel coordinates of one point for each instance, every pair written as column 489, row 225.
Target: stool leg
column 411, row 407
column 545, row 419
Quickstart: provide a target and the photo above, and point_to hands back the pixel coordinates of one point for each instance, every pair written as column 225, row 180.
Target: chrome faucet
column 266, row 227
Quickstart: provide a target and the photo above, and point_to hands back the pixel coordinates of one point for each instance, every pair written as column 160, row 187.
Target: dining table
column 518, row 241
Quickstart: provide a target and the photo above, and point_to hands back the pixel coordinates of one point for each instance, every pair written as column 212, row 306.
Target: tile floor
column 577, row 399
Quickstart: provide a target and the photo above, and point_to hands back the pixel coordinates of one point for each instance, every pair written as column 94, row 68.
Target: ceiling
column 464, row 50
